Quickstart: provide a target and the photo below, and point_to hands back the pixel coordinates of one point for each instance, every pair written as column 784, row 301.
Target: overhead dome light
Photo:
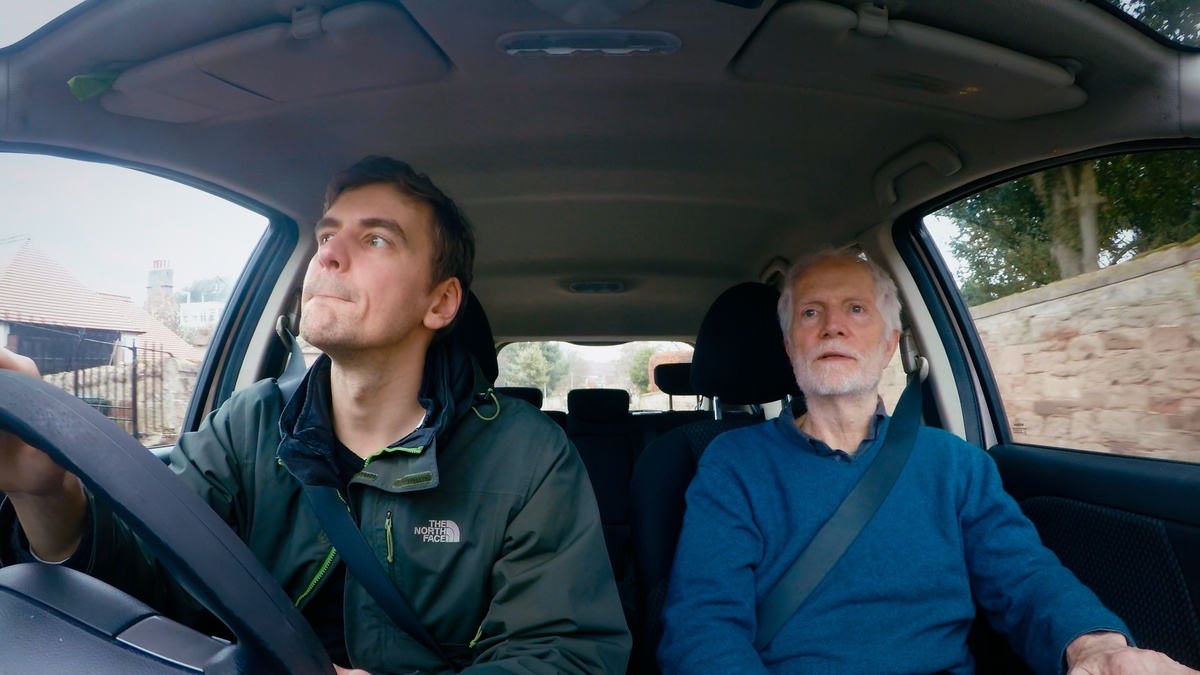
column 576, row 42
column 591, row 287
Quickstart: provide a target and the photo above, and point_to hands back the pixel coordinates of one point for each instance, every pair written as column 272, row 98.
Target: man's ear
column 447, row 297
column 892, row 343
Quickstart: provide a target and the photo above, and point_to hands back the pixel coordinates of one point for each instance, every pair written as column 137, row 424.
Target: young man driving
column 477, row 506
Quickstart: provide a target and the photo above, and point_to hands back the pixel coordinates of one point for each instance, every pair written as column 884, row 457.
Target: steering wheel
column 56, row 619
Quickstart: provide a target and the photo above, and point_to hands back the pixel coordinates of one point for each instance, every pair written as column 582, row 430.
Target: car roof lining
column 365, row 45
column 670, row 173
column 862, row 52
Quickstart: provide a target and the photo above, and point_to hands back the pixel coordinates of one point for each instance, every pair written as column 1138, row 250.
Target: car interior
column 634, row 170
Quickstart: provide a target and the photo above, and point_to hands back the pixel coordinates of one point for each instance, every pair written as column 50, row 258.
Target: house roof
column 36, row 289
column 153, row 331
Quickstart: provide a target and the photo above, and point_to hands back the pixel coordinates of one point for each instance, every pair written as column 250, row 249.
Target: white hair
column 887, row 298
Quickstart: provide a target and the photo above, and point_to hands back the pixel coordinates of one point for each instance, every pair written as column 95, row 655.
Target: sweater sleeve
column 555, row 607
column 1028, row 595
column 709, row 617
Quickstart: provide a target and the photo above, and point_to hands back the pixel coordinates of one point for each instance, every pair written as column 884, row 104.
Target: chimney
column 160, row 294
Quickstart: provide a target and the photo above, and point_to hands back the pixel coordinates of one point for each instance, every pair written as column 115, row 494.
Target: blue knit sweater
column 900, row 600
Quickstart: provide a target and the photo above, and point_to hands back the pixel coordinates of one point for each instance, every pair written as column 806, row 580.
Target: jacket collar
column 450, row 386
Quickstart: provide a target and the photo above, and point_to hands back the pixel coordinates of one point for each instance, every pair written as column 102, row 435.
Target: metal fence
column 130, row 393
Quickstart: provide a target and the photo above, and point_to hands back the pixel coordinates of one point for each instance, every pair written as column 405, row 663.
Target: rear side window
column 113, row 280
column 1084, row 284
column 558, row 367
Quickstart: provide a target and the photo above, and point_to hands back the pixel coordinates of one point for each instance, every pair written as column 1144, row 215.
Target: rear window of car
column 558, row 367
column 1084, row 285
column 113, row 280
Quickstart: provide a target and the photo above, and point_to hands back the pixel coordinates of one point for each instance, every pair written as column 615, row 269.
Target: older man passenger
column 902, row 598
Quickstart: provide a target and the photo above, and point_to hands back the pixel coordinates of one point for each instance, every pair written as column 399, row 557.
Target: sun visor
column 863, row 52
column 361, row 46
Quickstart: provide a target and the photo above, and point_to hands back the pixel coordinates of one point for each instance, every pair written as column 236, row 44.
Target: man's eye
column 377, row 241
column 857, row 309
column 810, row 313
column 324, row 238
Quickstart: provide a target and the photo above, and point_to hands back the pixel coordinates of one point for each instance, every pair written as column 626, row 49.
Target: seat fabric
column 739, row 359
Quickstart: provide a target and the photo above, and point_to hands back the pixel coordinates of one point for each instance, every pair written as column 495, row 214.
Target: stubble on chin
column 322, row 330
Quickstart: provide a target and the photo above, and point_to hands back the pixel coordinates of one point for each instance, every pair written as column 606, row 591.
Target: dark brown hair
column 453, row 238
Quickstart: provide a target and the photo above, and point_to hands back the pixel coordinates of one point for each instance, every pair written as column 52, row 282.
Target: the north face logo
column 442, row 531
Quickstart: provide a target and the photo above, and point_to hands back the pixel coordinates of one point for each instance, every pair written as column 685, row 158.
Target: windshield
column 19, row 20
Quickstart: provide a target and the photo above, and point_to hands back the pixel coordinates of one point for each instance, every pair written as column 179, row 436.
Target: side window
column 113, row 280
column 558, row 367
column 1084, row 284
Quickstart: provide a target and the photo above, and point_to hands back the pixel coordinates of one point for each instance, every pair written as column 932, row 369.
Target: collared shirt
column 821, row 448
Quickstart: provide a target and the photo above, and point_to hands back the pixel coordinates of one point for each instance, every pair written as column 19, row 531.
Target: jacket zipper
column 320, row 574
column 387, row 529
column 312, row 585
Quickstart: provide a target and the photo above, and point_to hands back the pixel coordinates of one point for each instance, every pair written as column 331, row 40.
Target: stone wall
column 1105, row 361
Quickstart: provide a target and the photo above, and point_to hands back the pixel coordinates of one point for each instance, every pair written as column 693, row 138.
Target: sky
column 107, row 225
column 19, row 18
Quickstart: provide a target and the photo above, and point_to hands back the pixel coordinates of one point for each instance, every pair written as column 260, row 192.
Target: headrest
column 559, row 417
column 473, row 334
column 739, row 354
column 674, row 379
column 531, row 395
column 597, row 405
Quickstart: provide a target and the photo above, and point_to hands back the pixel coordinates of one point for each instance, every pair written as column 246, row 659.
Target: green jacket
column 491, row 531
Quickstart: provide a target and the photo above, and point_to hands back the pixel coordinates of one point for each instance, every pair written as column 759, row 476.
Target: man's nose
column 331, row 254
column 834, row 325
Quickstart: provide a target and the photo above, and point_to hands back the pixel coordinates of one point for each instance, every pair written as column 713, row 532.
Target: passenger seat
column 739, row 360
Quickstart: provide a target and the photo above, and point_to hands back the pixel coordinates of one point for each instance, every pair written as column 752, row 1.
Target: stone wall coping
column 1174, row 256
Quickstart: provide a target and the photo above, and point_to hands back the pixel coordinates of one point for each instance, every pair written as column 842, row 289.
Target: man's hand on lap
column 1110, row 654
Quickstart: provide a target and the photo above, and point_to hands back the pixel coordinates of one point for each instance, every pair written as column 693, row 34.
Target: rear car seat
column 675, row 379
column 531, row 395
column 608, row 439
column 739, row 360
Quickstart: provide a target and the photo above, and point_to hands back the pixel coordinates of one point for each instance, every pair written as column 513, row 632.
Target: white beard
column 841, row 379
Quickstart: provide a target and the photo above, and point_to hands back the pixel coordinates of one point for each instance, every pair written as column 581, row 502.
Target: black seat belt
column 342, row 531
column 844, row 526
column 293, row 372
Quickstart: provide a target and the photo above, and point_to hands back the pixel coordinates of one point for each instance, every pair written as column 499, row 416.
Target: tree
column 639, row 369
column 559, row 366
column 211, row 289
column 1073, row 219
column 524, row 365
column 1176, row 19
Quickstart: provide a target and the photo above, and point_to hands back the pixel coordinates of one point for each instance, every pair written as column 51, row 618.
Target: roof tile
column 36, row 289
